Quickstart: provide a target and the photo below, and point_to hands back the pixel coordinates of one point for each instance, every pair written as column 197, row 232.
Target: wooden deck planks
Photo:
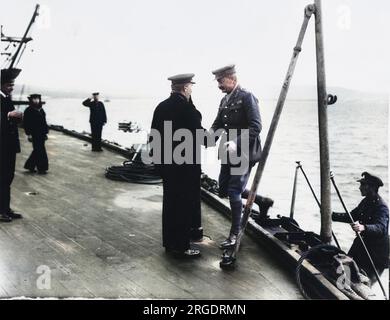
column 102, row 238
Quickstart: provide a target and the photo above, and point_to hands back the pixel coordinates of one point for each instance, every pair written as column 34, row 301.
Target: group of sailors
column 33, row 120
column 181, row 212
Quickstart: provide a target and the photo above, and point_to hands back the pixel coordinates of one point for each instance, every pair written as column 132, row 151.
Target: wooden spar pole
column 326, row 210
column 275, row 120
column 23, row 40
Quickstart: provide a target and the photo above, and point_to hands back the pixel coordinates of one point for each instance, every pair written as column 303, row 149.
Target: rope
column 305, row 256
column 133, row 172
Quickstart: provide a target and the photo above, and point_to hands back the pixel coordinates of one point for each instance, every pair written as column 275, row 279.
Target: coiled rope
column 305, row 256
column 134, row 172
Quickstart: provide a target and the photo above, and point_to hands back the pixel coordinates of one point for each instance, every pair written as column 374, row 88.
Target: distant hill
column 310, row 93
column 62, row 94
column 270, row 93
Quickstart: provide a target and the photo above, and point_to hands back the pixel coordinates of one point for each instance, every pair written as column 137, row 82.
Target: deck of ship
column 101, row 238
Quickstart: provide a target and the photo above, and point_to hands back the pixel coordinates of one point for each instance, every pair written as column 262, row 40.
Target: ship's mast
column 326, row 210
column 24, row 39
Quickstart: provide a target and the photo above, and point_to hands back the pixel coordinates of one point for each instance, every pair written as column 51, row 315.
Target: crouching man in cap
column 371, row 218
column 237, row 111
column 36, row 128
column 97, row 119
column 9, row 143
column 181, row 179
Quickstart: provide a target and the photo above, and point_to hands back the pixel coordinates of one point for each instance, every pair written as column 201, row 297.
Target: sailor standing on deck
column 371, row 218
column 238, row 110
column 181, row 181
column 9, row 143
column 97, row 119
column 35, row 126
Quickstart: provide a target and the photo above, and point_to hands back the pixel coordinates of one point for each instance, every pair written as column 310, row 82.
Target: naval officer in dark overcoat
column 371, row 220
column 35, row 126
column 97, row 119
column 239, row 109
column 9, row 143
column 181, row 181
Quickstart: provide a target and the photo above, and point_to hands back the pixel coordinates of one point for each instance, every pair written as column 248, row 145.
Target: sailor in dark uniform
column 238, row 110
column 9, row 143
column 36, row 128
column 181, row 181
column 97, row 119
column 371, row 218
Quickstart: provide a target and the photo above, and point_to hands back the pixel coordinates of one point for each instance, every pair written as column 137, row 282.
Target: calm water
column 358, row 132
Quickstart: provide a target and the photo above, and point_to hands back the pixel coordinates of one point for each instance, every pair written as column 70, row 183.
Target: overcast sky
column 132, row 46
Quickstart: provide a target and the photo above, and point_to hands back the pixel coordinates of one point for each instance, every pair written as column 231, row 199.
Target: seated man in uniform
column 371, row 220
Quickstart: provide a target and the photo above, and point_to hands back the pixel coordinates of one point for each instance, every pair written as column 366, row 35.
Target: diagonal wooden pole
column 227, row 260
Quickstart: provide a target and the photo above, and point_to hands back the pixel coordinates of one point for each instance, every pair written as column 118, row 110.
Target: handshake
column 15, row 115
column 230, row 146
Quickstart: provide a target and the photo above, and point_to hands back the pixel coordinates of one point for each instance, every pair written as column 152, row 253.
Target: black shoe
column 31, row 170
column 264, row 204
column 5, row 218
column 189, row 253
column 42, row 172
column 229, row 242
column 192, row 253
column 14, row 215
column 196, row 234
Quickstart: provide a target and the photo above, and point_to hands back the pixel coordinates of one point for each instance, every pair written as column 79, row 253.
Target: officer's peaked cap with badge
column 370, row 179
column 182, row 78
column 224, row 71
